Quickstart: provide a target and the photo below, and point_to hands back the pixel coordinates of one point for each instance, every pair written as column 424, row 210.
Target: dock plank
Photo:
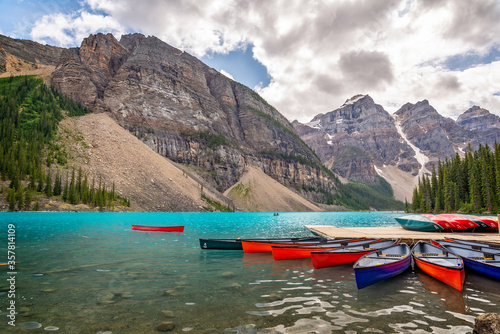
column 392, row 232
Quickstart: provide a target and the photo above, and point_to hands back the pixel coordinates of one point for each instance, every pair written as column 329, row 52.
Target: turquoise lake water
column 90, row 273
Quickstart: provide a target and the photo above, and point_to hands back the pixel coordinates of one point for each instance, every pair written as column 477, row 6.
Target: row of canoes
column 448, row 223
column 375, row 259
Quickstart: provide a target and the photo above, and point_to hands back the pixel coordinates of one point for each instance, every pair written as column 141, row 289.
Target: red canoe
column 304, row 252
column 266, row 246
column 440, row 264
column 158, row 228
column 340, row 256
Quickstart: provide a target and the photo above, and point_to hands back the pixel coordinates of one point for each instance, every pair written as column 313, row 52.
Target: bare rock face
column 354, row 138
column 477, row 118
column 438, row 137
column 187, row 111
column 28, row 50
column 482, row 124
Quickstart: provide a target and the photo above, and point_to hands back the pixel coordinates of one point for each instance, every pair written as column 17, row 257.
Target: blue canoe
column 380, row 265
column 477, row 246
column 485, row 263
column 474, row 244
column 418, row 223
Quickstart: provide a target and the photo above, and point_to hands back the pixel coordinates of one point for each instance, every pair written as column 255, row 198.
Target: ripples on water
column 89, row 273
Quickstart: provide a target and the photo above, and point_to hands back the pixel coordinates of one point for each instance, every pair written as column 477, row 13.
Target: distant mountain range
column 193, row 115
column 360, row 140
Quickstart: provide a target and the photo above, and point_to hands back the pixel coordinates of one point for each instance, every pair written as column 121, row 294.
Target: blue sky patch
column 241, row 65
column 461, row 62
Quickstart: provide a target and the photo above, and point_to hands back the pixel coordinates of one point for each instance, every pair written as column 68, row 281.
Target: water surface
column 90, row 273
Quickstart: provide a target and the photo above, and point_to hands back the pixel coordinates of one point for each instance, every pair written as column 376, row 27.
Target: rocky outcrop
column 482, row 124
column 22, row 57
column 488, row 323
column 27, row 51
column 187, row 111
column 478, row 119
column 354, row 138
column 432, row 133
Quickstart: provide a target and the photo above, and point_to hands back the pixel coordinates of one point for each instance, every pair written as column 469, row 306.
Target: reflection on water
column 87, row 276
column 452, row 299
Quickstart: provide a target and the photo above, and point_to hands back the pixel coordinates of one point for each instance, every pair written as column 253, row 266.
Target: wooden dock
column 394, row 232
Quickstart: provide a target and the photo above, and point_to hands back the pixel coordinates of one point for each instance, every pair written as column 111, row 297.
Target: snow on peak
column 353, row 99
column 314, row 124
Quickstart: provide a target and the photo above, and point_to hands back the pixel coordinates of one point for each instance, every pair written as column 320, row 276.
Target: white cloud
column 320, row 53
column 70, row 29
column 226, row 74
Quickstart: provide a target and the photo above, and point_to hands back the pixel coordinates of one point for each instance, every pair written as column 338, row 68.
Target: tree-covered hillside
column 470, row 184
column 30, row 156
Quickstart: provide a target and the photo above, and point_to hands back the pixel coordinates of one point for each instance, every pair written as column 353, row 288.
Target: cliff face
column 438, row 137
column 477, row 118
column 20, row 57
column 353, row 139
column 483, row 125
column 187, row 111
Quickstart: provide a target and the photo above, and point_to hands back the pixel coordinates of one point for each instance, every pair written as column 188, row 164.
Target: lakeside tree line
column 469, row 184
column 30, row 155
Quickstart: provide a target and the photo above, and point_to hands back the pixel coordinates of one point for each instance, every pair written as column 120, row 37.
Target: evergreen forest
column 469, row 184
column 32, row 159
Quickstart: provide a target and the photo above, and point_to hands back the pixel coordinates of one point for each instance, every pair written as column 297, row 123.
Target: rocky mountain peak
column 421, row 109
column 32, row 54
column 359, row 98
column 477, row 118
column 187, row 111
column 354, row 138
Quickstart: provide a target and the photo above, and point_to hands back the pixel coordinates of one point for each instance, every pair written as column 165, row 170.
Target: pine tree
column 57, row 184
column 48, row 185
column 11, row 198
column 475, row 188
column 27, row 199
column 65, row 194
column 20, row 198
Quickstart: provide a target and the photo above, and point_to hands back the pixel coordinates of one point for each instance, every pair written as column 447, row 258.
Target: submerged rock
column 228, row 274
column 168, row 314
column 274, row 297
column 165, row 326
column 170, row 293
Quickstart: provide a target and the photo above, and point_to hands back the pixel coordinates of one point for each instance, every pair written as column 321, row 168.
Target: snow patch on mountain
column 419, row 155
column 353, row 100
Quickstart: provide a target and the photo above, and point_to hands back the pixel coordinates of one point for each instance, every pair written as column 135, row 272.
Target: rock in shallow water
column 488, row 323
column 30, row 325
column 165, row 326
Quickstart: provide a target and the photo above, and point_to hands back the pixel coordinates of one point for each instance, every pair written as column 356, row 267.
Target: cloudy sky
column 304, row 57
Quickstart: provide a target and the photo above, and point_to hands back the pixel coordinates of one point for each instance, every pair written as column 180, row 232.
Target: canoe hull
column 266, row 246
column 483, row 262
column 380, row 265
column 482, row 268
column 324, row 259
column 418, row 223
column 453, row 277
column 158, row 228
column 368, row 276
column 222, row 244
column 439, row 263
column 304, row 252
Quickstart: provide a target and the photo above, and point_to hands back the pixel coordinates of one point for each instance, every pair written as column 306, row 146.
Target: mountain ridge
column 429, row 136
column 194, row 115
